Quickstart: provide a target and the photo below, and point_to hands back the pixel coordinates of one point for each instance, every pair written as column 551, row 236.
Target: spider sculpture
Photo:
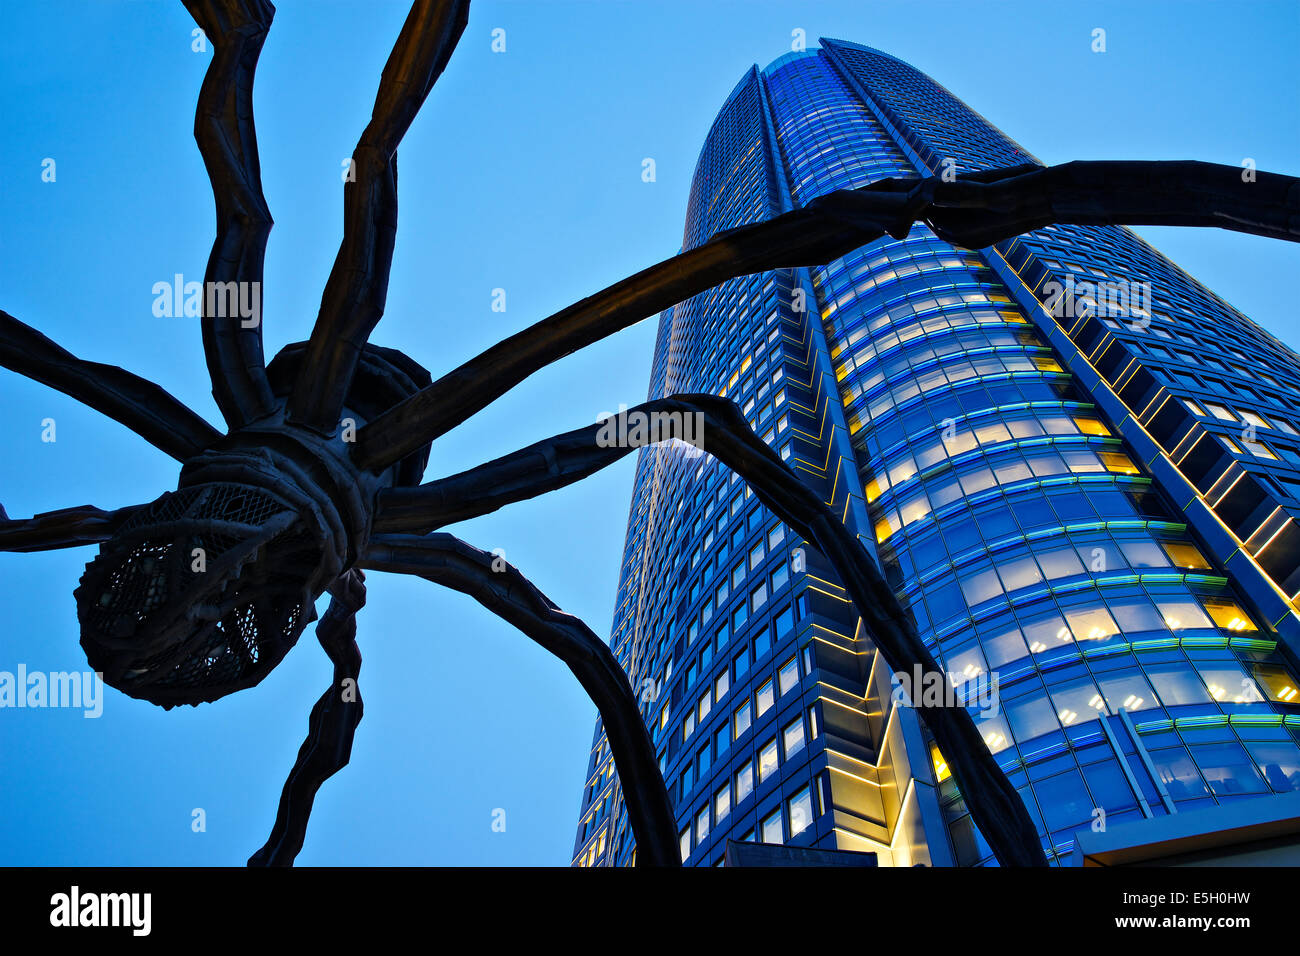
column 283, row 507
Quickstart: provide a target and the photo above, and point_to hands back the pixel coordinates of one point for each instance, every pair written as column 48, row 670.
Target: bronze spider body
column 203, row 591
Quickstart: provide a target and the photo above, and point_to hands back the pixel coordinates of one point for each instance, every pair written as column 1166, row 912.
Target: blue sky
column 523, row 172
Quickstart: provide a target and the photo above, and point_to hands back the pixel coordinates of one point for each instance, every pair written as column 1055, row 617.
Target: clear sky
column 523, row 172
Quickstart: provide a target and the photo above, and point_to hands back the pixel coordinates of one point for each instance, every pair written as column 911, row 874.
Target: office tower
column 1078, row 468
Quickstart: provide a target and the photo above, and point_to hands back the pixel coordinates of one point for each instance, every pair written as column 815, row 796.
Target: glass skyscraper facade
column 1078, row 468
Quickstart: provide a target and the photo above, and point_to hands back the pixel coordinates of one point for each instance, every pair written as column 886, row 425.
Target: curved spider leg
column 499, row 587
column 65, row 528
column 357, row 288
column 975, row 210
column 147, row 409
column 979, row 209
column 227, row 140
column 330, row 728
column 545, row 466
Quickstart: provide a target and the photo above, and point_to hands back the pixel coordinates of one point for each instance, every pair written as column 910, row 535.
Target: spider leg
column 357, row 288
column 330, row 728
column 975, row 210
column 65, row 528
column 444, row 559
column 145, row 408
column 227, row 140
column 995, row 805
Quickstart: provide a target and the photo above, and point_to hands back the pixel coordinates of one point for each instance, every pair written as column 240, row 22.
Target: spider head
column 204, row 591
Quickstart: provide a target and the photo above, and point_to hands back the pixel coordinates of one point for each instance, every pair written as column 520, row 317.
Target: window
column 684, row 841
column 800, row 811
column 1185, row 555
column 788, row 676
column 1220, row 412
column 722, row 803
column 1228, row 615
column 767, row 760
column 1090, row 426
column 1259, row 450
column 702, row 825
column 741, row 719
column 758, row 597
column 741, row 662
column 766, row 698
column 1117, row 462
column 1259, row 421
column 721, row 685
column 705, row 704
column 722, row 739
column 744, row 782
column 771, row 828
column 793, row 737
column 688, row 726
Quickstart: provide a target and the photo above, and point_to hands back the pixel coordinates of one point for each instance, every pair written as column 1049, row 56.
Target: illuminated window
column 1195, row 409
column 766, row 698
column 1117, row 462
column 887, row 525
column 1182, row 613
column 1090, row 426
column 1220, row 412
column 721, row 685
column 1091, row 624
column 1228, row 615
column 941, row 771
column 1276, row 683
column 1185, row 555
column 1046, row 363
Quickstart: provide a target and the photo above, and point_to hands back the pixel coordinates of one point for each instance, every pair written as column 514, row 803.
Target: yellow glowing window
column 745, row 364
column 876, row 487
column 1229, row 616
column 1277, row 683
column 1185, row 555
column 1047, row 364
column 941, row 772
column 1090, row 426
column 1118, row 462
column 886, row 526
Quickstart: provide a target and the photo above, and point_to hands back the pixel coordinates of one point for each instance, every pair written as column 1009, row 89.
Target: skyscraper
column 1078, row 468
